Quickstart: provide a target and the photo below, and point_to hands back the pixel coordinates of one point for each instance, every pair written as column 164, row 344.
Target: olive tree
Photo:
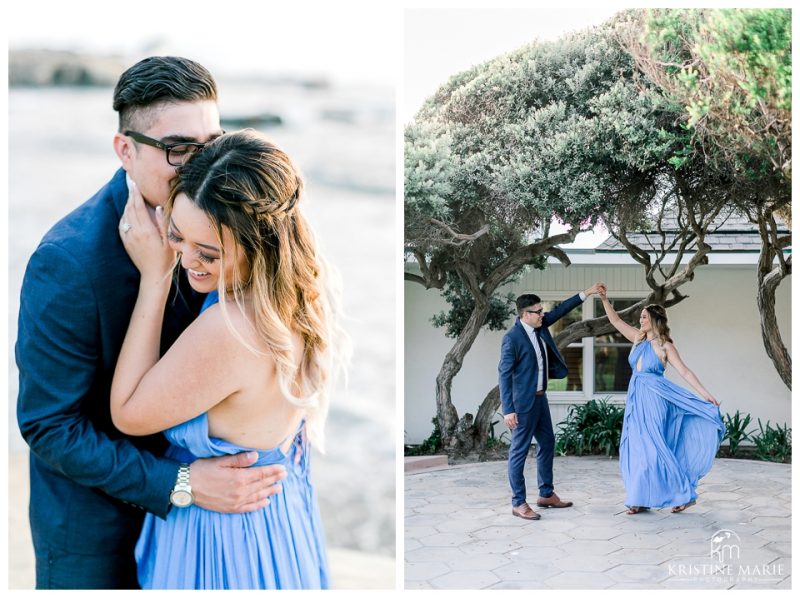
column 563, row 132
column 730, row 72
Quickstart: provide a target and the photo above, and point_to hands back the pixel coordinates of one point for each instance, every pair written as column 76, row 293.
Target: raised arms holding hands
column 598, row 288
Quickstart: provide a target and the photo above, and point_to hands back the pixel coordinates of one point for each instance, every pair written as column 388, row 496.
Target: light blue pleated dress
column 669, row 436
column 278, row 547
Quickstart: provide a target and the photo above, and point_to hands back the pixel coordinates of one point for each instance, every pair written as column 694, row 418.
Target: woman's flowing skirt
column 669, row 440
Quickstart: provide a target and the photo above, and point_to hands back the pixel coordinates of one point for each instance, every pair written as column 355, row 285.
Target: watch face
column 181, row 498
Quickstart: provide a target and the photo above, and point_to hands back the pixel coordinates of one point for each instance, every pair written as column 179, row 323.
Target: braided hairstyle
column 244, row 182
column 658, row 320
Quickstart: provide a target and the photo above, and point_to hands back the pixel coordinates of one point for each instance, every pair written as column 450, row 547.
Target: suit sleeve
column 561, row 310
column 505, row 370
column 58, row 360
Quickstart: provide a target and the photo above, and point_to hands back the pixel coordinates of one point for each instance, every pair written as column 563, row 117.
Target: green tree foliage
column 731, row 71
column 562, row 131
column 462, row 304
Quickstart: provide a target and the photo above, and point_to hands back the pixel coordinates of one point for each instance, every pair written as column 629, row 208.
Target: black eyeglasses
column 177, row 153
column 538, row 312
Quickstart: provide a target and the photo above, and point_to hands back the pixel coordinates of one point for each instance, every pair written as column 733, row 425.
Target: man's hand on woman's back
column 229, row 485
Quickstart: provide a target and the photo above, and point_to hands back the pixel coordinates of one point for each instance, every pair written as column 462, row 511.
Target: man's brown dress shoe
column 553, row 501
column 525, row 511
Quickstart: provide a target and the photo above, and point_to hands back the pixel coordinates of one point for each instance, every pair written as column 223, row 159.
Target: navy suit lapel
column 547, row 338
column 119, row 192
column 128, row 274
column 525, row 340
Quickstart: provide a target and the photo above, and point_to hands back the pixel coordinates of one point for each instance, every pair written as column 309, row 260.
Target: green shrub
column 493, row 442
column 736, row 431
column 773, row 444
column 592, row 428
column 431, row 445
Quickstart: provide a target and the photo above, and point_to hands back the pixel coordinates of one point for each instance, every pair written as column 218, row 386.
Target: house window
column 572, row 354
column 611, row 369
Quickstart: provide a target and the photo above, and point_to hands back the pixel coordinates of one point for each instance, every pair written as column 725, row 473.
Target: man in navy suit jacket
column 529, row 357
column 91, row 484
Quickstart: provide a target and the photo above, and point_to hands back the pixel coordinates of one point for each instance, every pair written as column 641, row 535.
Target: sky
column 350, row 43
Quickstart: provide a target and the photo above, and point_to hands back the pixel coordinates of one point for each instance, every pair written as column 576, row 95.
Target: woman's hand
column 598, row 288
column 145, row 241
column 712, row 400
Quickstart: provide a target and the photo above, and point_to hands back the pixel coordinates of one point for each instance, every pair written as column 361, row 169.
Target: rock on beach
column 50, row 68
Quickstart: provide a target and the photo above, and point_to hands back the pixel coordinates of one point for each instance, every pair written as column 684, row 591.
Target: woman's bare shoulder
column 232, row 328
column 669, row 348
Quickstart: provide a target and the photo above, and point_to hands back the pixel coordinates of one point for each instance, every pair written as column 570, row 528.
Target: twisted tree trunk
column 453, row 361
column 459, row 435
column 770, row 275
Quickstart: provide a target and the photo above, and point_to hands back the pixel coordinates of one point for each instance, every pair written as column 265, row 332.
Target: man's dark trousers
column 535, row 423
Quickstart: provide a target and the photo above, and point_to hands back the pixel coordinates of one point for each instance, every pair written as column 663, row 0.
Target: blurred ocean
column 343, row 140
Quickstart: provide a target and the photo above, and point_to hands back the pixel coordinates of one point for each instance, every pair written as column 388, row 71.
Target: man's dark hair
column 526, row 300
column 161, row 79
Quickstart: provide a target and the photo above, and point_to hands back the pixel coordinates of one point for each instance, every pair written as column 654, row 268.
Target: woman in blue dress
column 252, row 373
column 669, row 436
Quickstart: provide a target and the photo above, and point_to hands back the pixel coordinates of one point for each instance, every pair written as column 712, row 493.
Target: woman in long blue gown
column 669, row 436
column 252, row 373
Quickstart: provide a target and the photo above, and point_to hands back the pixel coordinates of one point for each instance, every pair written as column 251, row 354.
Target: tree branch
column 460, row 238
column 525, row 255
column 433, row 277
column 560, row 255
column 411, row 277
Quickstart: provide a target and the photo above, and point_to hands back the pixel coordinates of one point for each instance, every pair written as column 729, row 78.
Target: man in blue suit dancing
column 90, row 484
column 529, row 357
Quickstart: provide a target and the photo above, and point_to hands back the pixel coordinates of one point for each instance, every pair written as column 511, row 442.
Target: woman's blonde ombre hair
column 658, row 320
column 244, row 182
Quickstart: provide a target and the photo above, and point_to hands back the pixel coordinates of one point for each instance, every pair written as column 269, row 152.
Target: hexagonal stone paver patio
column 460, row 533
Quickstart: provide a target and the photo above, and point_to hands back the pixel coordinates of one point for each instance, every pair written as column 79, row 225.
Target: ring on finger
column 125, row 227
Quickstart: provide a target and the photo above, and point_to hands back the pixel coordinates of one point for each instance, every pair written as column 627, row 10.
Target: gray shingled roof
column 734, row 233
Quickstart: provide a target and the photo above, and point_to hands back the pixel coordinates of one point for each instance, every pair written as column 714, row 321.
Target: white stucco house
column 716, row 330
